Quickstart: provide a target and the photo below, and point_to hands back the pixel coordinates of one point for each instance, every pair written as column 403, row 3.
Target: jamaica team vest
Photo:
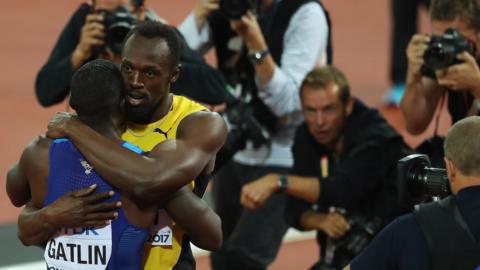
column 164, row 243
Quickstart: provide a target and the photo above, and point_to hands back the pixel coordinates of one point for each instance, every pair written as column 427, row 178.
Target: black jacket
column 362, row 179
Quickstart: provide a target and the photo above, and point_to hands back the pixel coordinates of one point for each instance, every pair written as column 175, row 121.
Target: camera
column 117, row 25
column 417, row 181
column 235, row 9
column 340, row 252
column 244, row 126
column 442, row 50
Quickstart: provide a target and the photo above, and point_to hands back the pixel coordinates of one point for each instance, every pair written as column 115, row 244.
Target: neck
column 462, row 181
column 110, row 128
column 336, row 147
column 163, row 108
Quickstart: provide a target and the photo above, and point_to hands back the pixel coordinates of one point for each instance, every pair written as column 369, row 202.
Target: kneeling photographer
column 445, row 63
column 343, row 179
column 443, row 234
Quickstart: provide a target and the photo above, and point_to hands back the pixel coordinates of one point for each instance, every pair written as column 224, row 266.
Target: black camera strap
column 451, row 245
column 439, row 112
column 266, row 20
column 284, row 12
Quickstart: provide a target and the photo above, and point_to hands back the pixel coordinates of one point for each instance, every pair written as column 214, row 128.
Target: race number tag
column 86, row 248
column 161, row 233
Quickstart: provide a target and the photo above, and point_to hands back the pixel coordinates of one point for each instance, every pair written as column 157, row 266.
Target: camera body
column 117, row 24
column 442, row 50
column 344, row 249
column 418, row 182
column 235, row 9
column 244, row 126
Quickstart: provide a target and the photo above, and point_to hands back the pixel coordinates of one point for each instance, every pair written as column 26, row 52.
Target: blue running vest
column 118, row 245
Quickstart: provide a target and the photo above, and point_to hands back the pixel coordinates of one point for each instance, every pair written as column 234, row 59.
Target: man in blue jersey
column 53, row 168
column 49, row 169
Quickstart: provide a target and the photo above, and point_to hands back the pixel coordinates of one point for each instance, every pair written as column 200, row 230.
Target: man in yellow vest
column 180, row 136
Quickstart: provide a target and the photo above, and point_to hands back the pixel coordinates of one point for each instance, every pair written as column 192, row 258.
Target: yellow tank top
column 164, row 244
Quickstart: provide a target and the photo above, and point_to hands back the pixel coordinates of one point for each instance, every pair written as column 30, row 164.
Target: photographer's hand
column 92, row 35
column 415, row 50
column 332, row 224
column 463, row 76
column 203, row 9
column 254, row 194
column 249, row 29
column 422, row 94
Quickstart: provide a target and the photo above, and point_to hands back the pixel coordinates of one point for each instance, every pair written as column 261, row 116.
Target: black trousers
column 404, row 26
column 251, row 238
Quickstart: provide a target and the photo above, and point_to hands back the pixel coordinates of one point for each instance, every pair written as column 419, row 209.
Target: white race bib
column 79, row 249
column 161, row 233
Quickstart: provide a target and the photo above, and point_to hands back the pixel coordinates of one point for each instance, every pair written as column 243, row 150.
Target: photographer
column 425, row 85
column 343, row 159
column 264, row 48
column 90, row 34
column 79, row 42
column 443, row 234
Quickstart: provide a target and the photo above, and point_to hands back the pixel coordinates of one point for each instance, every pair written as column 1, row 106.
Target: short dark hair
column 96, row 89
column 156, row 29
column 448, row 10
column 321, row 77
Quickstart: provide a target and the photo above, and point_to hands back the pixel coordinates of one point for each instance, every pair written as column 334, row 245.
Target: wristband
column 282, row 183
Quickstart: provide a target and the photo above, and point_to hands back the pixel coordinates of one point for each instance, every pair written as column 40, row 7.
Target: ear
column 349, row 106
column 175, row 73
column 451, row 169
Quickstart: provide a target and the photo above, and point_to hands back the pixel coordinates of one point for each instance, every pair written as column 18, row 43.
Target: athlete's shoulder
column 35, row 157
column 186, row 104
column 204, row 117
column 38, row 145
column 204, row 126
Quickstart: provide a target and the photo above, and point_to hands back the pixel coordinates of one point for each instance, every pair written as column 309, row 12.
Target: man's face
column 439, row 27
column 148, row 71
column 324, row 113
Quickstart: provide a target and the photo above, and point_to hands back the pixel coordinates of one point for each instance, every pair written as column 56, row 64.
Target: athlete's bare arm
column 17, row 186
column 27, row 183
column 28, row 179
column 169, row 166
column 199, row 221
column 26, row 171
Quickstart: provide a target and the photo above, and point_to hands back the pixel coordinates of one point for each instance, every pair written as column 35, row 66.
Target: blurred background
column 361, row 44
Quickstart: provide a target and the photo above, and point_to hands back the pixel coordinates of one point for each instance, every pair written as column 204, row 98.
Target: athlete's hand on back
column 82, row 208
column 58, row 124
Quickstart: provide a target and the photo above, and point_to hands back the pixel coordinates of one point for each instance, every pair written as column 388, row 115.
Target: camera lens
column 431, row 181
column 117, row 33
column 117, row 24
column 435, row 56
